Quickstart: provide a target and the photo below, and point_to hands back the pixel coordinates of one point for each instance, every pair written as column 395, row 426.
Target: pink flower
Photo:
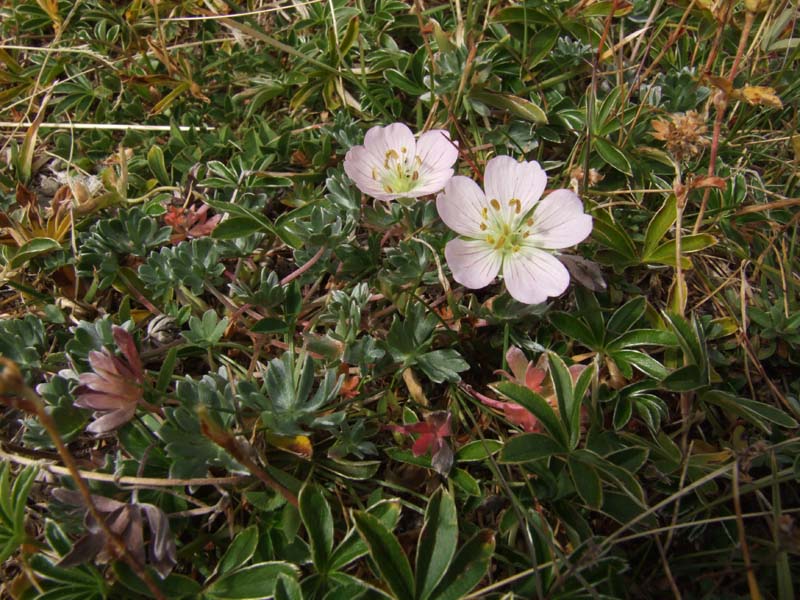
column 508, row 230
column 532, row 377
column 432, row 433
column 392, row 164
column 114, row 388
column 190, row 222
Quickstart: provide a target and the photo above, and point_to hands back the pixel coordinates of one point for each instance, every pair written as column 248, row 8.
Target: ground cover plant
column 415, row 300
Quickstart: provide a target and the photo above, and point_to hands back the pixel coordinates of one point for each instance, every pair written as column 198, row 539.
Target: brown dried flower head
column 682, row 133
column 114, row 388
column 126, row 520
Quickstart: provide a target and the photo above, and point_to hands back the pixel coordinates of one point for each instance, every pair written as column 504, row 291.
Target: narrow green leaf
column 665, row 253
column 352, row 546
column 234, row 228
column 468, row 568
column 478, row 450
column 437, row 542
column 660, row 224
column 685, row 379
column 627, row 315
column 569, row 409
column 31, row 249
column 518, row 107
column 612, row 155
column 586, row 481
column 318, row 521
column 155, row 160
column 385, row 550
column 240, row 551
column 575, row 329
column 536, row 405
column 287, row 588
column 643, row 337
column 643, row 362
column 269, row 325
column 251, row 583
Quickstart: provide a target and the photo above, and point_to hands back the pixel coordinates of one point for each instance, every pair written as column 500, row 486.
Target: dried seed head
column 682, row 133
column 11, row 381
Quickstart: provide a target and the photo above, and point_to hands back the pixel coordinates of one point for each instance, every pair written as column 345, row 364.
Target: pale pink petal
column 127, row 346
column 436, row 151
column 460, row 206
column 474, row 263
column 100, row 401
column 111, row 421
column 506, row 180
column 517, row 362
column 379, row 140
column 359, row 164
column 559, row 221
column 532, row 275
column 430, row 184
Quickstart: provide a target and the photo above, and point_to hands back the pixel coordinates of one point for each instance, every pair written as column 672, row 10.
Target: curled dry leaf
column 432, row 433
column 127, row 521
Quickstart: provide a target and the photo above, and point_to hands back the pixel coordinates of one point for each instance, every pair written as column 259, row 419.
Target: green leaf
column 518, row 107
column 530, row 446
column 437, row 542
column 586, row 481
column 352, row 546
column 537, row 405
column 385, row 550
column 643, row 337
column 643, row 362
column 612, row 155
column 756, row 412
column 627, row 315
column 574, row 329
column 269, row 325
column 478, row 450
column 660, row 224
column 468, row 568
column 234, row 228
column 155, row 160
column 685, row 379
column 442, row 365
column 623, row 412
column 240, row 551
column 287, row 588
column 251, row 583
column 465, row 482
column 318, row 520
column 665, row 253
column 400, row 81
column 569, row 409
column 32, row 249
column 610, row 234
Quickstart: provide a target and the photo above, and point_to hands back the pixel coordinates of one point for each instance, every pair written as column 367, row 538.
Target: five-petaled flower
column 114, row 388
column 392, row 164
column 507, row 229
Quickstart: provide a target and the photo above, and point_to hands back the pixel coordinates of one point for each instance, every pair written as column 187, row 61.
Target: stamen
column 490, row 239
column 392, row 153
column 501, row 242
column 415, row 175
column 495, row 204
column 374, row 173
column 403, row 149
column 483, row 226
column 388, row 189
column 517, row 204
column 485, row 212
column 515, row 249
column 529, row 222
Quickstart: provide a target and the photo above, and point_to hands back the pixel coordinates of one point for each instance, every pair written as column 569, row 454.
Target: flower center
column 400, row 172
column 505, row 231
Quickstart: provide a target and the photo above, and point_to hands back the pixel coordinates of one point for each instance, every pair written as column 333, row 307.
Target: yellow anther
column 529, row 222
column 515, row 249
column 495, row 204
column 403, row 149
column 388, row 189
column 415, row 175
column 517, row 204
column 501, row 242
column 485, row 212
column 483, row 226
column 374, row 173
column 392, row 153
column 490, row 239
